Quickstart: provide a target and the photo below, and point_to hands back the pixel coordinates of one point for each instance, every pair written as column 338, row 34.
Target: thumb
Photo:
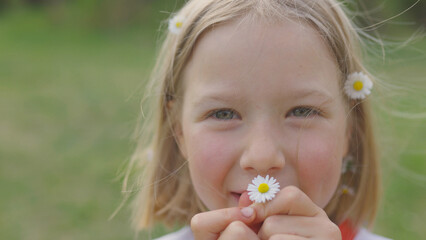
column 246, row 202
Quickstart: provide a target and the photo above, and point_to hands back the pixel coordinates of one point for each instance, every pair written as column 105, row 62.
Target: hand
column 226, row 223
column 292, row 215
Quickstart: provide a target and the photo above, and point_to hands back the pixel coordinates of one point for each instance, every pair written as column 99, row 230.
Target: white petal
column 172, row 24
column 253, row 194
column 268, row 197
column 257, row 180
column 273, row 191
column 258, row 198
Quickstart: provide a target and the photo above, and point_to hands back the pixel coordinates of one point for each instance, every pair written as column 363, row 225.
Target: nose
column 263, row 153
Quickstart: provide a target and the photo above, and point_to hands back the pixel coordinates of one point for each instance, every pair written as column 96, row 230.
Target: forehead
column 288, row 56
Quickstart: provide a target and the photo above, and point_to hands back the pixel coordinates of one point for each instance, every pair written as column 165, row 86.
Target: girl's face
column 262, row 99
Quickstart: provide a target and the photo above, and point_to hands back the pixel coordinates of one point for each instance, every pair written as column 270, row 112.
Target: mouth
column 236, row 196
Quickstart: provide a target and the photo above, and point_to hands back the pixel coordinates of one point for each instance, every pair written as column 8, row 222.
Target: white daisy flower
column 175, row 24
column 358, row 85
column 263, row 189
column 346, row 190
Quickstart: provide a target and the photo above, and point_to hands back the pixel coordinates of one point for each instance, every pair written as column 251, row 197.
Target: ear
column 178, row 131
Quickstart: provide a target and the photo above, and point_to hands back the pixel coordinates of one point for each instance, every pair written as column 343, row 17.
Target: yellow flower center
column 178, row 24
column 263, row 188
column 358, row 85
column 345, row 191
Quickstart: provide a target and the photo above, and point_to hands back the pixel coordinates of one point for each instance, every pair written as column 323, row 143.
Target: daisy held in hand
column 263, row 189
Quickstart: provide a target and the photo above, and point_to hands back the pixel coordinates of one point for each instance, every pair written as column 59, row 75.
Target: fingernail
column 247, row 212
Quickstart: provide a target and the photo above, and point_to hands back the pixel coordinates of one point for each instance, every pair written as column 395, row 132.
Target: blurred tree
column 120, row 13
column 3, row 5
column 418, row 12
column 37, row 2
column 415, row 14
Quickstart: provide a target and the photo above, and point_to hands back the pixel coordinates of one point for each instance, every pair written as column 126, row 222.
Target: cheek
column 209, row 163
column 319, row 165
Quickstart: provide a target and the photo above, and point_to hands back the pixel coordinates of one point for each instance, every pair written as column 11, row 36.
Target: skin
column 262, row 80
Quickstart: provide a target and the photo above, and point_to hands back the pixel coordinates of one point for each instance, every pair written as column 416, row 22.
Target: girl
column 259, row 87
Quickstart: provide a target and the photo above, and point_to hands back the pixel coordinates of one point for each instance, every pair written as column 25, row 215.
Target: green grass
column 69, row 100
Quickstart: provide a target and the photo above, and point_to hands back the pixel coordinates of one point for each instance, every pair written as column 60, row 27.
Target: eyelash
column 311, row 111
column 212, row 113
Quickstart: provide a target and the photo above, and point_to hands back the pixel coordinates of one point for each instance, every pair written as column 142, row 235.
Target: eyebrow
column 224, row 98
column 313, row 92
column 294, row 95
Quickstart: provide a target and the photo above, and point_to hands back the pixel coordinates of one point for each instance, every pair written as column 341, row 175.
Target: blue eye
column 223, row 114
column 304, row 112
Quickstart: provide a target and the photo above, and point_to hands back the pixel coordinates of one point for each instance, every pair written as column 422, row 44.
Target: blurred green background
column 71, row 79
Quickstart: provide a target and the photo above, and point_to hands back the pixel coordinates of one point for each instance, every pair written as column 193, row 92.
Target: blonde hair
column 165, row 192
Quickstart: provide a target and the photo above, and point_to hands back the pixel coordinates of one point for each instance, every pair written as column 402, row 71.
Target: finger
column 244, row 200
column 284, row 224
column 285, row 237
column 289, row 201
column 299, row 225
column 209, row 225
column 238, row 230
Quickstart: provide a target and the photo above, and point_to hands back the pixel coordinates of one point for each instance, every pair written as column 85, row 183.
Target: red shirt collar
column 348, row 230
